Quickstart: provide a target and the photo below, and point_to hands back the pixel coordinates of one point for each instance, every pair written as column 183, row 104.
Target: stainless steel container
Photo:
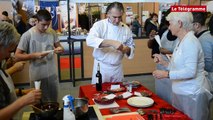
column 81, row 106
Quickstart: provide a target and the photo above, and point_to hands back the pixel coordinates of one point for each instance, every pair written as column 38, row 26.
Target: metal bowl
column 48, row 109
column 81, row 106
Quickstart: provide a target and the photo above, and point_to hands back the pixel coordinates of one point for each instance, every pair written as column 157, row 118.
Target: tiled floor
column 67, row 88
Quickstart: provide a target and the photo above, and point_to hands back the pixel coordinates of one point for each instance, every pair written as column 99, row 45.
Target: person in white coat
column 111, row 40
column 190, row 88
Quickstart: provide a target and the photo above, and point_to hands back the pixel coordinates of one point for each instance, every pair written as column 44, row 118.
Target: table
column 89, row 91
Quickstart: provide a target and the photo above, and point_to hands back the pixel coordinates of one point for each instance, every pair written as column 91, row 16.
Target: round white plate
column 140, row 101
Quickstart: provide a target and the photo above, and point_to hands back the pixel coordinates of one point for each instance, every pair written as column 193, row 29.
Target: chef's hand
column 120, row 47
column 58, row 50
column 159, row 74
column 32, row 97
column 126, row 50
column 38, row 55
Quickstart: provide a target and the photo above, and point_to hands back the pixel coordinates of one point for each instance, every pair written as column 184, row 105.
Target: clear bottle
column 98, row 79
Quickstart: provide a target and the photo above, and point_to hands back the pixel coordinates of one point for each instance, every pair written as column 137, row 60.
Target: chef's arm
column 20, row 55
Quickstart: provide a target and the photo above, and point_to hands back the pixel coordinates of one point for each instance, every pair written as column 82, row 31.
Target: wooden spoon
column 40, row 110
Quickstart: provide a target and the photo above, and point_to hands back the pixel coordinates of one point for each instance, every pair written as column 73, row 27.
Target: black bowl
column 49, row 109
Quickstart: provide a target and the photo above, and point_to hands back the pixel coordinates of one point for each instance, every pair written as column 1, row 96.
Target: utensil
column 141, row 112
column 167, row 111
column 119, row 110
column 36, row 108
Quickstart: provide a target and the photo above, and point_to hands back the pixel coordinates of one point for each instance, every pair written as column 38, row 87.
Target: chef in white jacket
column 111, row 40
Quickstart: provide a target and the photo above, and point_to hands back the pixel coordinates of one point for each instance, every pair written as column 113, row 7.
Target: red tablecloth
column 89, row 91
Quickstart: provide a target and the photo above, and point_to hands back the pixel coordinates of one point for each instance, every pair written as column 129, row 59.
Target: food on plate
column 146, row 93
column 117, row 90
column 102, row 100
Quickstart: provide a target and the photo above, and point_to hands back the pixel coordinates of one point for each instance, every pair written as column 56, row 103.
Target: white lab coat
column 191, row 90
column 108, row 57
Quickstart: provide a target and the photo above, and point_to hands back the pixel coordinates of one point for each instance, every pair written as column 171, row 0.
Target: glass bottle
column 98, row 79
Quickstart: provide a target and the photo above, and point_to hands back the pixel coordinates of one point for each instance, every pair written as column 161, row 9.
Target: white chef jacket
column 108, row 57
column 190, row 88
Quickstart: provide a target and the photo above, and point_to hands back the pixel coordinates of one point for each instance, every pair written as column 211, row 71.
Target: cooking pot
column 46, row 109
column 81, row 106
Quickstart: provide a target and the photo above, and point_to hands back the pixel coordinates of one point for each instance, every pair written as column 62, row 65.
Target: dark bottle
column 98, row 79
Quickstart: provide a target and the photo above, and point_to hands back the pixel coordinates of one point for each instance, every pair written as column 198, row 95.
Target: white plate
column 140, row 101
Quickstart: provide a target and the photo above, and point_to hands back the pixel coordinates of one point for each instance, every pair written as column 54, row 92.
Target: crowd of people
column 183, row 76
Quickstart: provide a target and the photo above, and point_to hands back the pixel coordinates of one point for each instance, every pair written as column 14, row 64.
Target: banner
column 64, row 14
column 51, row 7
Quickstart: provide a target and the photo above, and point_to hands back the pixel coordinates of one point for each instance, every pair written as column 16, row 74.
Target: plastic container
column 67, row 113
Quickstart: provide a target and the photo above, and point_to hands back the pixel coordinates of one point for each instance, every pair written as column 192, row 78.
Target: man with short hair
column 34, row 46
column 111, row 40
column 206, row 40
